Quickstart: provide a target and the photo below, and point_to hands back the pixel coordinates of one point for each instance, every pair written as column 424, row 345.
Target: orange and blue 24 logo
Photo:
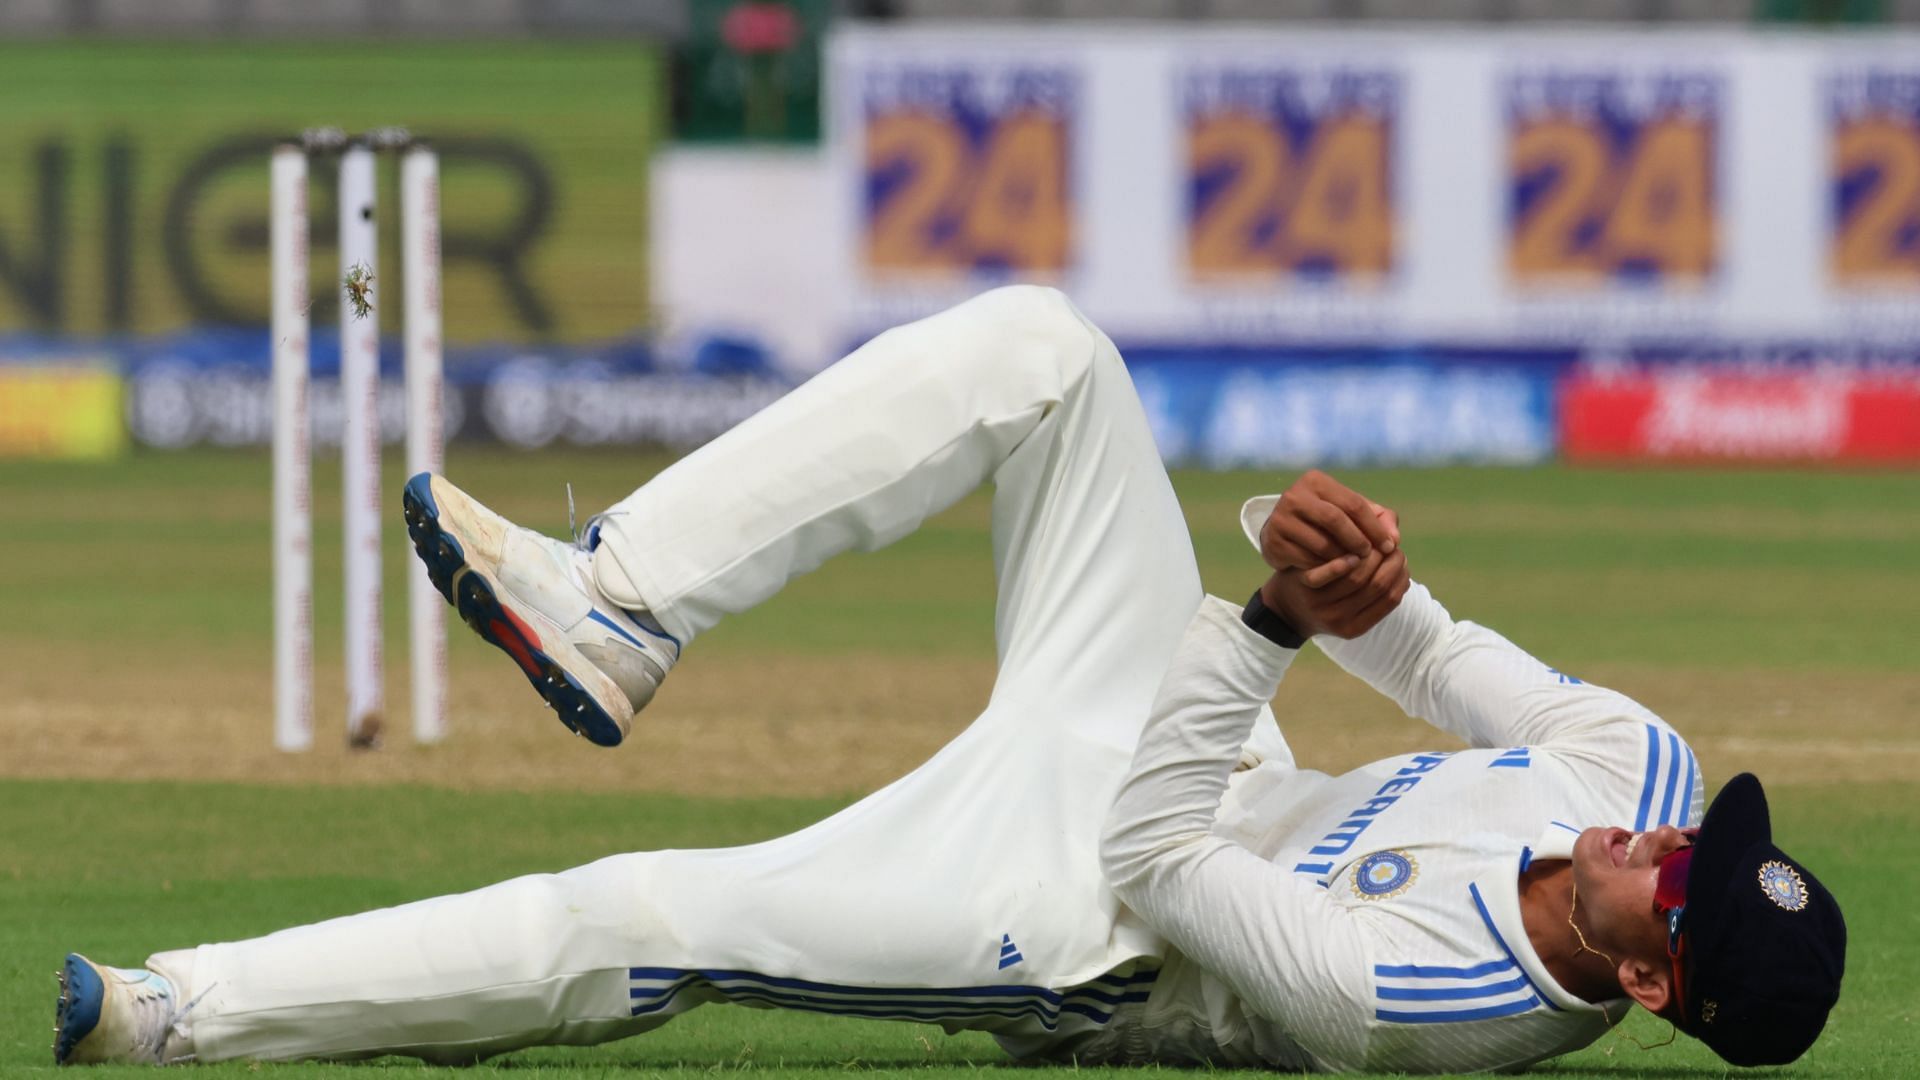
column 1611, row 176
column 1874, row 178
column 1289, row 172
column 968, row 170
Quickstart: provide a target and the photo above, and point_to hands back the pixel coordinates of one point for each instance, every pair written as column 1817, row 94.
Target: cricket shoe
column 120, row 1015
column 595, row 662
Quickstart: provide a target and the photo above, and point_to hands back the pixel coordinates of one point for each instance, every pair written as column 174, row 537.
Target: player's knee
column 1040, row 325
column 1036, row 308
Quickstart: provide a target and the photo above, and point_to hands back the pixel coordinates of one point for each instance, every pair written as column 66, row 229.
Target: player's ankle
column 617, row 585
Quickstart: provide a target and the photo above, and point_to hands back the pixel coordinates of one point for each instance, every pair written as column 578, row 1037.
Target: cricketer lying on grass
column 1119, row 860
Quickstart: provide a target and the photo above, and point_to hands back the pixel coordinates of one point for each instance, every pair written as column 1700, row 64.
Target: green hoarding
column 750, row 71
column 133, row 179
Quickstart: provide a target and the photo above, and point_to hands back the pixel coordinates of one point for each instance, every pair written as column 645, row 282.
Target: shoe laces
column 585, row 539
column 159, row 1018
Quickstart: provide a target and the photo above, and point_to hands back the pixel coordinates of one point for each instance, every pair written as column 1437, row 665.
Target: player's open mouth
column 1620, row 846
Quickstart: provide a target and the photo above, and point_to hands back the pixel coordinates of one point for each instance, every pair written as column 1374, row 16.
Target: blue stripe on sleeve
column 1484, row 1013
column 1673, row 777
column 1653, row 773
column 1686, row 800
column 1428, row 971
column 1451, row 993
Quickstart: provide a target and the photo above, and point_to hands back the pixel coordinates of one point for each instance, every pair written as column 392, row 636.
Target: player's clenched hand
column 1318, row 520
column 1345, row 598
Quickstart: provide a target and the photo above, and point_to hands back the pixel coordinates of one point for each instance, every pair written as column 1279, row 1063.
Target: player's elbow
column 1123, row 860
column 1135, row 852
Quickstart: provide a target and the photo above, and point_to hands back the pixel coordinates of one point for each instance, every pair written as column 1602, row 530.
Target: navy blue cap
column 1765, row 945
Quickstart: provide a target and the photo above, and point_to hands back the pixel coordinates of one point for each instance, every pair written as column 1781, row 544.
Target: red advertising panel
column 1775, row 417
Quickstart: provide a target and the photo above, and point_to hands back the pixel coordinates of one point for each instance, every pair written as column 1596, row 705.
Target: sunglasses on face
column 1670, row 899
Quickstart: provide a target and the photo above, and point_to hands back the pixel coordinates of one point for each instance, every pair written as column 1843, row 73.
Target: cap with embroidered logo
column 1764, row 942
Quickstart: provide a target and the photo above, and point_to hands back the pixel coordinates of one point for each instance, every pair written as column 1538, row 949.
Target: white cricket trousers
column 967, row 893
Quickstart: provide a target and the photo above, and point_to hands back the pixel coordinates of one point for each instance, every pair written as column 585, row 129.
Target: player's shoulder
column 1666, row 777
column 1595, row 714
column 1636, row 771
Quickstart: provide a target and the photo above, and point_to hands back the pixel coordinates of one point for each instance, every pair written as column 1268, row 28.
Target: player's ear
column 1649, row 984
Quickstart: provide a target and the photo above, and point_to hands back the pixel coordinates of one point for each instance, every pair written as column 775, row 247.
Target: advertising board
column 65, row 407
column 1383, row 203
column 1308, row 185
column 1696, row 415
column 130, row 212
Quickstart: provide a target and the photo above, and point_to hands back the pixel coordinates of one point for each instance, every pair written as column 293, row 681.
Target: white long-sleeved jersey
column 1372, row 920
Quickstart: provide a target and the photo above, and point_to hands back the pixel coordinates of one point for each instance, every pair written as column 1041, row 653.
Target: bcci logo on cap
column 1384, row 874
column 1783, row 886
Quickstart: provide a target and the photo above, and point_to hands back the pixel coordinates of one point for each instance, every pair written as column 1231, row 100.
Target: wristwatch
column 1264, row 621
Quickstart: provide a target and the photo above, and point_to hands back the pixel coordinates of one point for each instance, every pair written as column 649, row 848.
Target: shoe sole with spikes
column 473, row 593
column 81, row 995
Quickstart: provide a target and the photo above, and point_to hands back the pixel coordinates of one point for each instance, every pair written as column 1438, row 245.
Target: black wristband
column 1263, row 621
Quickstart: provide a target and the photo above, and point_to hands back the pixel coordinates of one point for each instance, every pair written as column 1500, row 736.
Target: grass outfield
column 1768, row 615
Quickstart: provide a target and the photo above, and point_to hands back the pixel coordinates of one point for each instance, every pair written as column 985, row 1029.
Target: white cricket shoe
column 536, row 598
column 119, row 1015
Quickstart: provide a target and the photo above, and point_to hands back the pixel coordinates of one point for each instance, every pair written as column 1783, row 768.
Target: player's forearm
column 1221, row 675
column 1395, row 656
column 1467, row 679
column 1269, row 935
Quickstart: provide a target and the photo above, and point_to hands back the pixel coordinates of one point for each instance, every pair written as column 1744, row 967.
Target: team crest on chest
column 1782, row 885
column 1384, row 874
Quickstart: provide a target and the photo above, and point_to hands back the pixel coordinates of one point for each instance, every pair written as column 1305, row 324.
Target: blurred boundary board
column 1193, row 185
column 133, row 177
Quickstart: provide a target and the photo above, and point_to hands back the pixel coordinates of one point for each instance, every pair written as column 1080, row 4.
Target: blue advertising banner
column 1226, row 408
column 213, row 387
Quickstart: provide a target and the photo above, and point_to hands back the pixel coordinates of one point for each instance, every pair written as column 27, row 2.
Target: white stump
column 420, row 259
column 360, row 448
column 292, row 457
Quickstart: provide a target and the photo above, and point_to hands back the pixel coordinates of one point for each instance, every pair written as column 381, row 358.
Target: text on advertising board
column 1694, row 415
column 1288, row 172
column 968, row 169
column 1874, row 186
column 1611, row 176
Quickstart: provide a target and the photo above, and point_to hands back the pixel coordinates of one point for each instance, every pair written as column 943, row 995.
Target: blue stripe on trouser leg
column 654, row 990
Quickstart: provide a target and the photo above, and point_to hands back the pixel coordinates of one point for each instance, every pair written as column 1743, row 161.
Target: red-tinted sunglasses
column 1670, row 882
column 1670, row 899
